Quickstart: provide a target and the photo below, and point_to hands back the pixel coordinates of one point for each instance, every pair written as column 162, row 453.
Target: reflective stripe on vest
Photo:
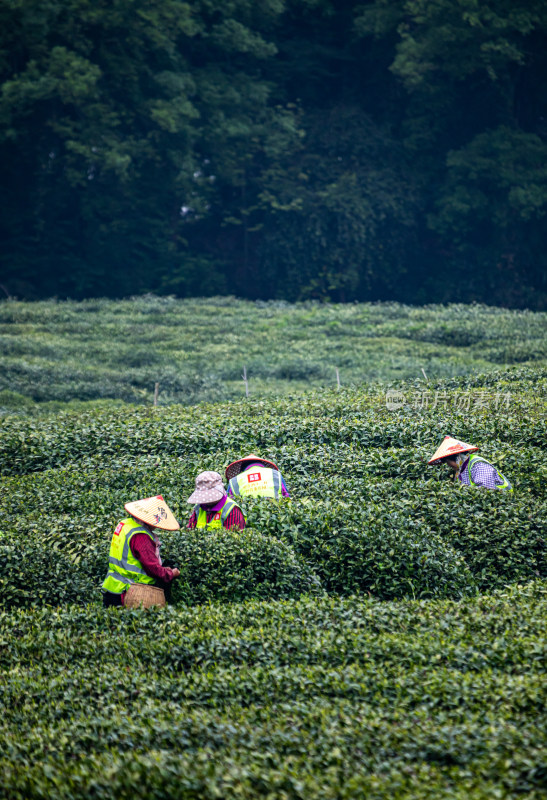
column 475, row 460
column 257, row 482
column 220, row 516
column 123, row 568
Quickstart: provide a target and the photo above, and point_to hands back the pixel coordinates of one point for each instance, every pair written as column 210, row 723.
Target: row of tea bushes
column 488, row 539
column 350, row 418
column 100, row 349
column 389, row 538
column 229, row 566
column 320, row 698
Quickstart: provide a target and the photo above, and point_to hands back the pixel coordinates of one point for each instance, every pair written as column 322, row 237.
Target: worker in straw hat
column 135, row 550
column 470, row 469
column 213, row 508
column 253, row 476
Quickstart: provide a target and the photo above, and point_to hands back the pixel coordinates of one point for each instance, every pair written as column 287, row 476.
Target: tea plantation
column 104, row 350
column 381, row 634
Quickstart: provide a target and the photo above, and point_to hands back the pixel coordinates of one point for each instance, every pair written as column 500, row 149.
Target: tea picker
column 253, row 476
column 470, row 469
column 136, row 575
column 213, row 508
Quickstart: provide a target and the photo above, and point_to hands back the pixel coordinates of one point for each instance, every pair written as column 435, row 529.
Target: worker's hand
column 176, row 573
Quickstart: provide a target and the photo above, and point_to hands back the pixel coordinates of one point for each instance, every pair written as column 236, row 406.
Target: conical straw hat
column 451, row 447
column 238, row 466
column 153, row 511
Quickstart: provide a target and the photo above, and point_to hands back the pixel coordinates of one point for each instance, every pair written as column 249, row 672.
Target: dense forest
column 292, row 149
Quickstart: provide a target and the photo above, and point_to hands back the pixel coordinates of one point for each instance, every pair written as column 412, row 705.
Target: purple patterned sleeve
column 485, row 475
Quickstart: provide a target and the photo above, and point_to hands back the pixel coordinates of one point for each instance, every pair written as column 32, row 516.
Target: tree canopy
column 293, row 149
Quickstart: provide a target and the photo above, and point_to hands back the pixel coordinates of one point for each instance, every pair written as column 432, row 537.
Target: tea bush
column 235, row 566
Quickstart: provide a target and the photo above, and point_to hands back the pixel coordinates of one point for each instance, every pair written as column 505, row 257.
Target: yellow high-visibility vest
column 123, row 568
column 257, row 482
column 220, row 517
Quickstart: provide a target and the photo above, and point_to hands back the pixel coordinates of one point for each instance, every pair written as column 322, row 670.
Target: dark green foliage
column 343, row 215
column 302, row 149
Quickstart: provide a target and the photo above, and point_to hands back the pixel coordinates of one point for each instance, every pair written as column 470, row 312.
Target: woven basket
column 140, row 595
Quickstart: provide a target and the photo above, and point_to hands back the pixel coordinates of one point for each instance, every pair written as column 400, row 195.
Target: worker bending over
column 471, row 470
column 213, row 509
column 252, row 476
column 135, row 550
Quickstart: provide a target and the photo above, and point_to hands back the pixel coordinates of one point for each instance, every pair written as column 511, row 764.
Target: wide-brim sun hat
column 209, row 488
column 451, row 447
column 238, row 466
column 153, row 511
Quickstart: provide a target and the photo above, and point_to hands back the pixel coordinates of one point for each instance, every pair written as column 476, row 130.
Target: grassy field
column 379, row 635
column 196, row 349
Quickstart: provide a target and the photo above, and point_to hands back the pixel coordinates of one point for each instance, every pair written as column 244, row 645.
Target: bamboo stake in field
column 156, row 393
column 245, row 381
column 337, row 377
